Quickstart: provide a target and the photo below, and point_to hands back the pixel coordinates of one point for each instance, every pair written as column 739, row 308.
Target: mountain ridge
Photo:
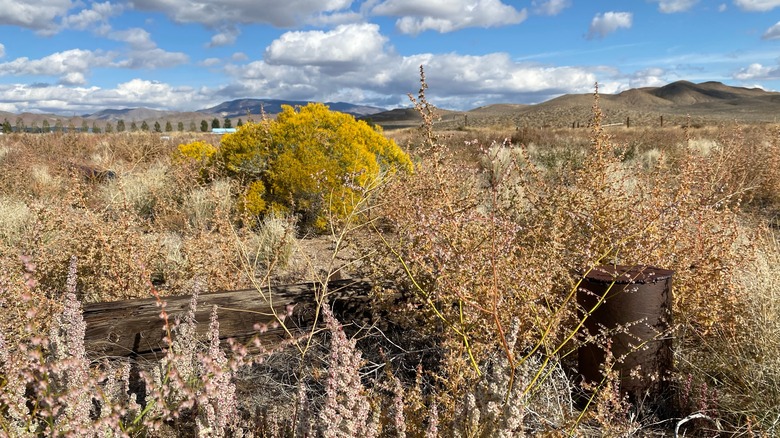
column 678, row 101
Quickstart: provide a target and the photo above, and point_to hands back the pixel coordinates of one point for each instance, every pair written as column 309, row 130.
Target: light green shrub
column 138, row 193
column 203, row 204
column 15, row 216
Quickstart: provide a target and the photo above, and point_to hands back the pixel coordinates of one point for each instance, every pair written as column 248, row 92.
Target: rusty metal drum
column 628, row 308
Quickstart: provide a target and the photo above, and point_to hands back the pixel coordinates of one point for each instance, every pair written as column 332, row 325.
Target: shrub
column 311, row 162
column 477, row 247
column 15, row 216
column 139, row 193
column 199, row 151
column 203, row 205
column 253, row 198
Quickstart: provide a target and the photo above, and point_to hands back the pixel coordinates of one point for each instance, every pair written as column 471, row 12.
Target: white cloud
column 757, row 5
column 773, row 33
column 385, row 77
column 71, row 66
column 456, row 81
column 350, row 44
column 39, row 15
column 757, row 71
column 137, row 38
column 674, row 6
column 226, row 37
column 140, row 89
column 651, row 77
column 331, row 19
column 722, row 7
column 210, row 62
column 144, row 52
column 21, row 97
column 448, row 15
column 239, row 56
column 153, row 59
column 550, row 7
column 608, row 22
column 134, row 93
column 217, row 13
column 73, row 78
column 97, row 14
column 2, row 50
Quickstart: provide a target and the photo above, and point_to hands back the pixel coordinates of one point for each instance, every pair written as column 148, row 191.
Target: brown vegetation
column 486, row 241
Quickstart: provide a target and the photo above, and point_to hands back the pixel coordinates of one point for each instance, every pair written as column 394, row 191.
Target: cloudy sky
column 80, row 56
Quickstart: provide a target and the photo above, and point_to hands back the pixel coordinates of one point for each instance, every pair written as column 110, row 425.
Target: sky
column 79, row 56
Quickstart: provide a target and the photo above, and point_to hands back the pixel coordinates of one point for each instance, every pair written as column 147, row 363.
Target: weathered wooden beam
column 133, row 328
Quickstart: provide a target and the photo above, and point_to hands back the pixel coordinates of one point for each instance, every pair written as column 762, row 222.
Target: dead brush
column 732, row 375
column 475, row 249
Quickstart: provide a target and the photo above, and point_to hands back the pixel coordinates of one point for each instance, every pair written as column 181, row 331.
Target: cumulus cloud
column 757, row 71
column 137, row 38
column 2, row 50
column 385, row 77
column 144, row 52
column 210, row 62
column 456, row 81
column 757, row 5
column 550, row 7
column 350, row 44
column 73, row 78
column 134, row 93
column 608, row 22
column 19, row 98
column 138, row 89
column 215, row 13
column 226, row 37
column 448, row 15
column 39, row 16
column 70, row 66
column 153, row 59
column 96, row 17
column 773, row 33
column 651, row 77
column 674, row 6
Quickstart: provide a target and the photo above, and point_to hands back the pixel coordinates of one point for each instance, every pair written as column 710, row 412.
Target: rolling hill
column 677, row 103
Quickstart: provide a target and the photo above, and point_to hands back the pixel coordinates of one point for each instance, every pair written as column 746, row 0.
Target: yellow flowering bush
column 246, row 152
column 253, row 198
column 312, row 162
column 199, row 151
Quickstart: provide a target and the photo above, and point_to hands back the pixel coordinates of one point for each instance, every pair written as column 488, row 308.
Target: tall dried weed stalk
column 478, row 247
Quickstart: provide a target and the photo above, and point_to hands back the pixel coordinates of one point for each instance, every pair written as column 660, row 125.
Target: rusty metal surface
column 632, row 307
column 622, row 274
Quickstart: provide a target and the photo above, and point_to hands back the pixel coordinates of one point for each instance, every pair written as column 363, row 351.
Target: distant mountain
column 674, row 104
column 130, row 114
column 242, row 107
column 688, row 93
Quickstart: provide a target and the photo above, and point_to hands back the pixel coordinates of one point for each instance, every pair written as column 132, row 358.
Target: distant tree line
column 108, row 127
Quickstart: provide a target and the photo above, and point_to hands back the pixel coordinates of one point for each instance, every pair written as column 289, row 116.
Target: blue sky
column 80, row 56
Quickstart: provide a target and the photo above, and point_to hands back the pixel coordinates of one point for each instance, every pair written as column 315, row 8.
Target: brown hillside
column 678, row 103
column 675, row 104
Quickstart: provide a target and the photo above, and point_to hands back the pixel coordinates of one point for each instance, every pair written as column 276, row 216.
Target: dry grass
column 486, row 241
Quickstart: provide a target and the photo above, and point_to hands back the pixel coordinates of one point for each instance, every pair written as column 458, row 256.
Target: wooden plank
column 133, row 328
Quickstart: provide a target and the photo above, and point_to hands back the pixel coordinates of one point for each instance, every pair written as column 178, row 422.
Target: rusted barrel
column 631, row 306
